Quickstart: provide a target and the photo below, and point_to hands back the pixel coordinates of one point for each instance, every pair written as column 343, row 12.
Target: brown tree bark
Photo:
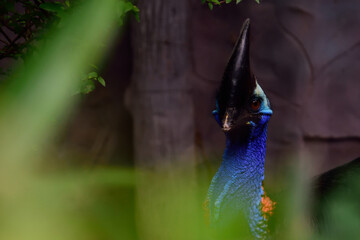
column 163, row 115
column 161, row 93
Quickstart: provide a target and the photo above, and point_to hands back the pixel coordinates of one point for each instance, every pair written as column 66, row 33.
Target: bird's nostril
column 226, row 125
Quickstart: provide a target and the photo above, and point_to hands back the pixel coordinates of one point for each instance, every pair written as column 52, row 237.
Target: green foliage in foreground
column 211, row 3
column 24, row 25
column 36, row 202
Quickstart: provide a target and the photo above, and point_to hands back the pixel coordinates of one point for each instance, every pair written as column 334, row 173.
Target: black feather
column 333, row 183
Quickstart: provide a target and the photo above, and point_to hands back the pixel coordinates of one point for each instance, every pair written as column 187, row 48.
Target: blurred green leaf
column 211, row 6
column 87, row 86
column 52, row 6
column 211, row 3
column 92, row 75
column 124, row 7
column 94, row 66
column 101, row 81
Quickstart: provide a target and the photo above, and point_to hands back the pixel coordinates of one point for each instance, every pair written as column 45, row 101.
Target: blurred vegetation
column 24, row 26
column 37, row 203
column 41, row 200
column 211, row 3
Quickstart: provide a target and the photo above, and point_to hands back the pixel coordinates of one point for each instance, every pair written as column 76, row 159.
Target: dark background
column 305, row 55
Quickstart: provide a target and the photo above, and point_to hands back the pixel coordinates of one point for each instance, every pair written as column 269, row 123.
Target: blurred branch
column 5, row 35
column 3, row 41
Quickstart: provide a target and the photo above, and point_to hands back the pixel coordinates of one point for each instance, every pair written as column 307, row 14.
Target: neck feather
column 236, row 187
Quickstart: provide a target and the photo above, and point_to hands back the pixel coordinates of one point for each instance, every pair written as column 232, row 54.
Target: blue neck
column 236, row 187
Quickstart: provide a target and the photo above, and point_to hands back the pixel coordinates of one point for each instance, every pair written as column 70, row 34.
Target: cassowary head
column 240, row 102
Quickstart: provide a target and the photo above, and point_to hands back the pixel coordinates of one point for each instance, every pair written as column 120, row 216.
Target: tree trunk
column 161, row 94
column 163, row 116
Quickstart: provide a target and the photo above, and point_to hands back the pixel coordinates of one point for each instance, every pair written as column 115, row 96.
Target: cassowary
column 243, row 111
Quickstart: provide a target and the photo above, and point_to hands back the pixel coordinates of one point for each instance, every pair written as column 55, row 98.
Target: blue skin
column 236, row 187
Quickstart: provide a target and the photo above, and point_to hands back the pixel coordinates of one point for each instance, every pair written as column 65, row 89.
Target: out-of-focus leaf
column 124, row 7
column 87, row 86
column 94, row 66
column 52, row 6
column 211, row 3
column 92, row 75
column 101, row 81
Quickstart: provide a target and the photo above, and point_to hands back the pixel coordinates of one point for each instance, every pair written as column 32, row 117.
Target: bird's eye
column 255, row 104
